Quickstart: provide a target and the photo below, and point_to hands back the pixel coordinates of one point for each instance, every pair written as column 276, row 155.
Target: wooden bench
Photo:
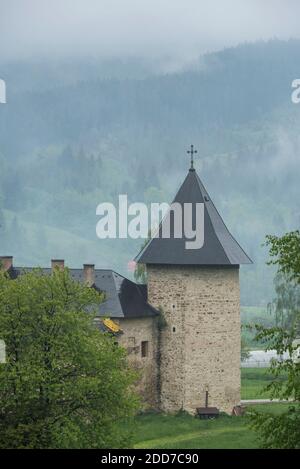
column 207, row 412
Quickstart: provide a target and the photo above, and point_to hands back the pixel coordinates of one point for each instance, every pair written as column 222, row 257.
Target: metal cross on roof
column 192, row 152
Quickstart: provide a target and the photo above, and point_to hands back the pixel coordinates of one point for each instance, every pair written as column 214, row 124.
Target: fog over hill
column 75, row 133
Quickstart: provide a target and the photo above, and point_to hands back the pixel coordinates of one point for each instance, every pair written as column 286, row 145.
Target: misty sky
column 177, row 29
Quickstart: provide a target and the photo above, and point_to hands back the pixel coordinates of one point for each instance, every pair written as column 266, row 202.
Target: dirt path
column 265, row 401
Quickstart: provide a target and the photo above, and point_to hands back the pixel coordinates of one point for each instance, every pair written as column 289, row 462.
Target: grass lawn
column 254, row 380
column 183, row 431
column 160, row 431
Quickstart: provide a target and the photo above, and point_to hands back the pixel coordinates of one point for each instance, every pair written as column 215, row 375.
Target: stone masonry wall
column 134, row 332
column 201, row 342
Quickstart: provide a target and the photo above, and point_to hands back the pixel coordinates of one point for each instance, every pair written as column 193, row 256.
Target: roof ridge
column 210, row 200
column 221, row 218
column 158, row 229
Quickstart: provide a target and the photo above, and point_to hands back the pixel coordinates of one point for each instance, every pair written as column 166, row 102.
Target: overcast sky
column 180, row 29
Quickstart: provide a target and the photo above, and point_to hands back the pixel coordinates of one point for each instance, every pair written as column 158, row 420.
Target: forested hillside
column 74, row 136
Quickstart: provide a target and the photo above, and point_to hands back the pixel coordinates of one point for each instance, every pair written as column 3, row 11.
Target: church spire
column 219, row 248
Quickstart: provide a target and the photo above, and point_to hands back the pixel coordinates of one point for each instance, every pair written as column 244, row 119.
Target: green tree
column 245, row 353
column 140, row 272
column 282, row 431
column 286, row 306
column 2, row 229
column 64, row 383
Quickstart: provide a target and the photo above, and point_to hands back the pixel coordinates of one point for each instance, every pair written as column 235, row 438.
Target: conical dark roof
column 219, row 248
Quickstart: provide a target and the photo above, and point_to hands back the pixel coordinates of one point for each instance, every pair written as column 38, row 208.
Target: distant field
column 251, row 315
column 254, row 380
column 183, row 431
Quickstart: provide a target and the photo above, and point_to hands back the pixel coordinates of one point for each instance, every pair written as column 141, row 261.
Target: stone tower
column 198, row 292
